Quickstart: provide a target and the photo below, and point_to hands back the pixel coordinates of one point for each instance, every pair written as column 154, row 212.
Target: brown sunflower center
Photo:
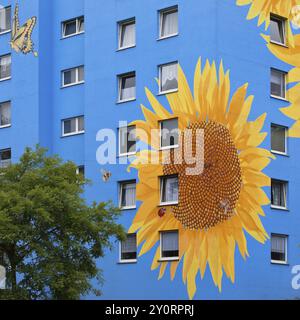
column 209, row 198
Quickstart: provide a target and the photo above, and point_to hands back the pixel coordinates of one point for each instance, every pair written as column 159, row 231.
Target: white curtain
column 169, row 23
column 169, row 77
column 278, row 244
column 5, row 114
column 170, row 241
column 128, row 195
column 5, row 63
column 127, row 88
column 278, row 194
column 170, row 189
column 277, row 83
column 127, row 35
column 129, row 245
column 278, row 138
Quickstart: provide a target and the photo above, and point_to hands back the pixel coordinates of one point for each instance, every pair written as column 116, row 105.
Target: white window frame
column 285, row 139
column 9, row 30
column 64, row 23
column 170, row 203
column 284, row 24
column 77, row 82
column 161, row 247
column 286, row 248
column 161, row 14
column 160, row 67
column 161, row 136
column 285, row 74
column 128, row 153
column 127, row 261
column 75, row 133
column 120, row 78
column 3, row 56
column 7, row 125
column 121, row 24
column 286, row 186
column 121, row 184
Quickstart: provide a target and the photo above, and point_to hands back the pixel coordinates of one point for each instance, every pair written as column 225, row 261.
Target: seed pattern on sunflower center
column 207, row 199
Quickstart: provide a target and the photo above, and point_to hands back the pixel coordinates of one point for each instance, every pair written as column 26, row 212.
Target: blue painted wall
column 214, row 30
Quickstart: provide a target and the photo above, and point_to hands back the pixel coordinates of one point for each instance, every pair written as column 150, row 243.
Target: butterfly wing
column 16, row 23
column 22, row 40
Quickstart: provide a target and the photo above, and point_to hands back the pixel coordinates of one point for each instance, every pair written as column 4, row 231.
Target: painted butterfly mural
column 21, row 35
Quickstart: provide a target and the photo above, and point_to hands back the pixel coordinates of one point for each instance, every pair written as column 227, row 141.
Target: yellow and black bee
column 21, row 36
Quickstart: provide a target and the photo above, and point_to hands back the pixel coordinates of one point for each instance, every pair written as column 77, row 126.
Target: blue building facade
column 45, row 100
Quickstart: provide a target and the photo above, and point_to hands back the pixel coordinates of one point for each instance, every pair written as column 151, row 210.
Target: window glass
column 169, row 23
column 279, row 191
column 169, row 189
column 127, row 34
column 81, row 124
column 169, row 133
column 169, row 77
column 129, row 248
column 127, row 140
column 5, row 114
column 127, row 87
column 5, row 66
column 69, row 126
column 278, row 250
column 81, row 24
column 278, row 138
column 277, row 30
column 128, row 194
column 81, row 74
column 70, row 28
column 169, row 244
column 69, row 77
column 5, row 19
column 278, row 83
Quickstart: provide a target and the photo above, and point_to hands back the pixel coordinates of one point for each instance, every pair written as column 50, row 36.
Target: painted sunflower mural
column 264, row 8
column 291, row 56
column 217, row 207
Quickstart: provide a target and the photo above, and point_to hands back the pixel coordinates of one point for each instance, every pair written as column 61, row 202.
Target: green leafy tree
column 49, row 237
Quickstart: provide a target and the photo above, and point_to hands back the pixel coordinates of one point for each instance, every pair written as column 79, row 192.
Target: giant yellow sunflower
column 264, row 8
column 219, row 205
column 292, row 57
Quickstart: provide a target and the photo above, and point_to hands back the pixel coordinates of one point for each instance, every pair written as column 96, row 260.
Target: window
column 279, row 194
column 127, row 34
column 169, row 243
column 278, row 139
column 169, row 190
column 80, row 170
column 5, row 67
column 73, row 126
column 168, row 77
column 277, row 30
column 127, row 87
column 73, row 76
column 5, row 19
column 128, row 249
column 5, row 114
column 169, row 133
column 5, row 158
column 73, row 27
column 168, row 23
column 127, row 195
column 279, row 248
column 278, row 83
column 127, row 141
